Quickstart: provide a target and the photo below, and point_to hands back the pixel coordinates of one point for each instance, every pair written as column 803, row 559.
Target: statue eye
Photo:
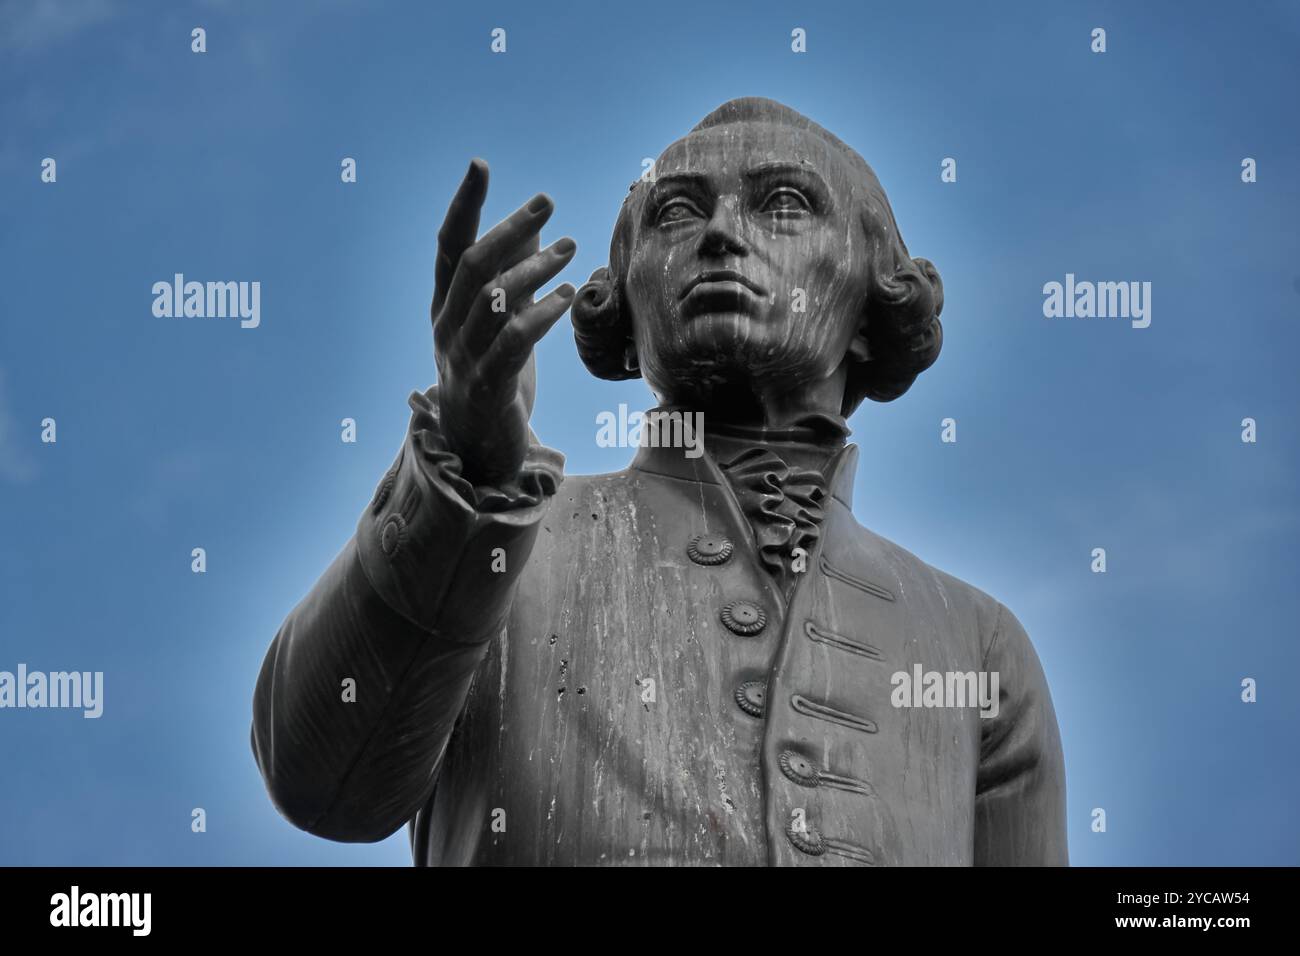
column 786, row 201
column 676, row 210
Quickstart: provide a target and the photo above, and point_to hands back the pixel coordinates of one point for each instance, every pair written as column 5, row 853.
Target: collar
column 656, row 458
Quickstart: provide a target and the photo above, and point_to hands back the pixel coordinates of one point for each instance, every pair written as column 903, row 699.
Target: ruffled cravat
column 778, row 480
column 784, row 505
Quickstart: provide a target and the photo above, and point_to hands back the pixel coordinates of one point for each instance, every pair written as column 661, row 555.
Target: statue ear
column 858, row 348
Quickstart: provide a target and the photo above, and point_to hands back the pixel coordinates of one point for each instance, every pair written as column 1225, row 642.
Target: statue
column 695, row 660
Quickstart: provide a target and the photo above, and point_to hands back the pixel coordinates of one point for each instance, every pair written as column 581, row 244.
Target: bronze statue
column 689, row 661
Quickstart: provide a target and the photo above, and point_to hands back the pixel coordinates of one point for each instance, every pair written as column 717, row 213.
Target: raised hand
column 485, row 324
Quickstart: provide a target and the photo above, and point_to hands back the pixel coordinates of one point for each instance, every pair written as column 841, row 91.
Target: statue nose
column 722, row 234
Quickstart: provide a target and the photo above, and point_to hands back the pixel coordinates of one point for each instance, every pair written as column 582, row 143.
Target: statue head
column 760, row 256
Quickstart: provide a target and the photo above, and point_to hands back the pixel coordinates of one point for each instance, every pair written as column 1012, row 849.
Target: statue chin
column 727, row 364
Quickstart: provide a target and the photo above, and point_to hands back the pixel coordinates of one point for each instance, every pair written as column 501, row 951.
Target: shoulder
column 607, row 502
column 922, row 583
column 633, row 487
column 614, row 484
column 1001, row 641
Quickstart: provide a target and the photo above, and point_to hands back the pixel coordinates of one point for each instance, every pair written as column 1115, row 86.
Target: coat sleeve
column 1020, row 790
column 362, row 685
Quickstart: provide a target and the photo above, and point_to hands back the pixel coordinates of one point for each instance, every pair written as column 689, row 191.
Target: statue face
column 748, row 266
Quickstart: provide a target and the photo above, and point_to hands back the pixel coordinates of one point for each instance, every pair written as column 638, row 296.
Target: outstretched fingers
column 485, row 258
column 513, row 346
column 512, row 292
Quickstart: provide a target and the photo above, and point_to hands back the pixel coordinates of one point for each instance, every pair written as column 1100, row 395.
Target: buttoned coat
column 601, row 671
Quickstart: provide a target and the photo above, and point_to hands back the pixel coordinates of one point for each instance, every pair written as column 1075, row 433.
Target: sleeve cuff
column 445, row 553
column 538, row 477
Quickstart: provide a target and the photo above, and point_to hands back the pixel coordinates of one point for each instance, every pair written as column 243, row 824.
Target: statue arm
column 405, row 613
column 1020, row 791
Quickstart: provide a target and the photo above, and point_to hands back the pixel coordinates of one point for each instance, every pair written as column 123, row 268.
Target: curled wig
column 902, row 311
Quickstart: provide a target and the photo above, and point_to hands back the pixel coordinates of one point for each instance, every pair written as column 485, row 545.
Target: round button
column 806, row 840
column 710, row 549
column 392, row 535
column 798, row 768
column 384, row 491
column 750, row 696
column 744, row 618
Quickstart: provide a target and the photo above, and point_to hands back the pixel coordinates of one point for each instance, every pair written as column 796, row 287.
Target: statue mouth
column 715, row 281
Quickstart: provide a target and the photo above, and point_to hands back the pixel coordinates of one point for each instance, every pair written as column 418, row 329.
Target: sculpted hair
column 902, row 311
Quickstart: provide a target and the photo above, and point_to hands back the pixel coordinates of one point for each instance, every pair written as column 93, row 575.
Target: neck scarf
column 778, row 479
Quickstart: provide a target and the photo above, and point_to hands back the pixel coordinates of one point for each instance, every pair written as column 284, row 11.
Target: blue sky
column 1072, row 434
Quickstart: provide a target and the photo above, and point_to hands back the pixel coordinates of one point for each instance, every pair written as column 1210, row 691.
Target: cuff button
column 393, row 535
column 383, row 492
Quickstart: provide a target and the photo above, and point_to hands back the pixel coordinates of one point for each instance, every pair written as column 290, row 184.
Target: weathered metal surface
column 692, row 661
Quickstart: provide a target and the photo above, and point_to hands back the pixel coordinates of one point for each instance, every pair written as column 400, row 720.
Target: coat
column 599, row 670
